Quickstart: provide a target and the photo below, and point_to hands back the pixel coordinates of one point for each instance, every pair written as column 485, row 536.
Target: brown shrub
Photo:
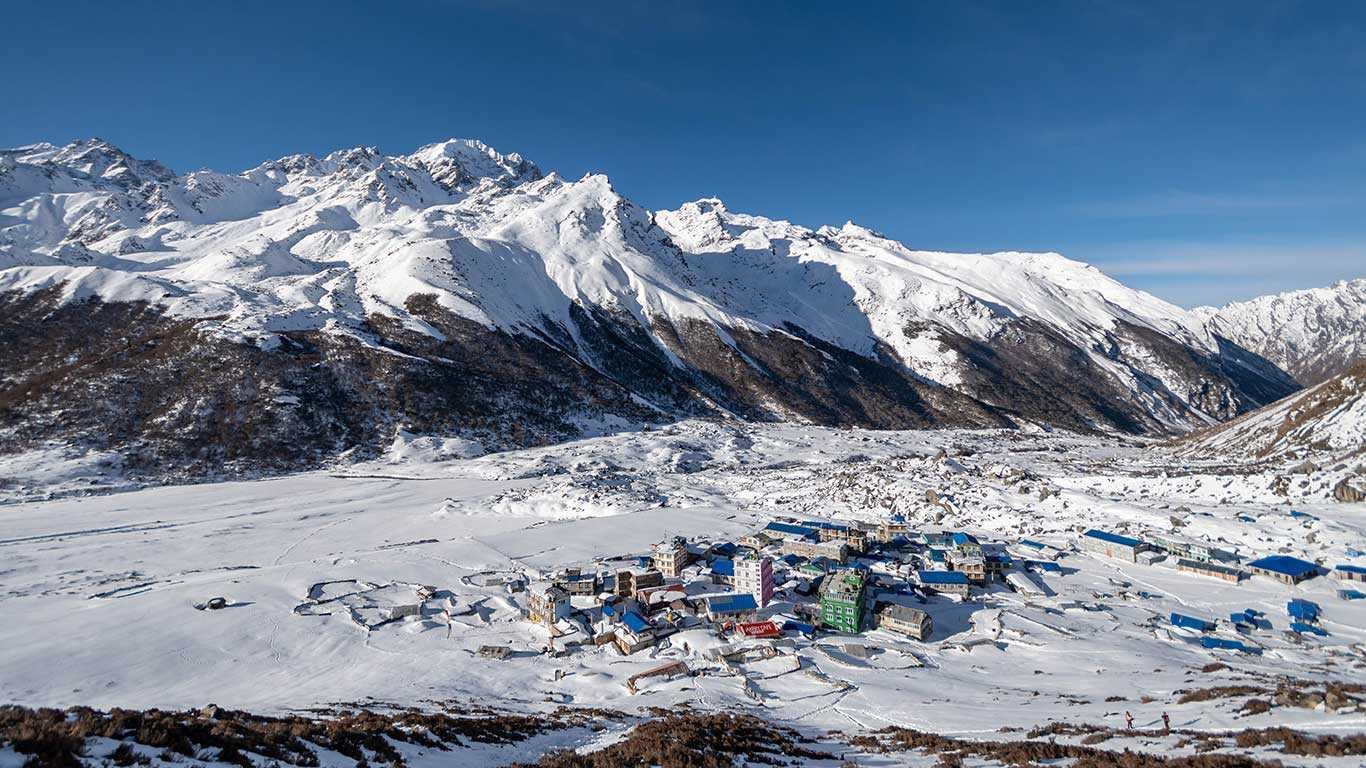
column 694, row 741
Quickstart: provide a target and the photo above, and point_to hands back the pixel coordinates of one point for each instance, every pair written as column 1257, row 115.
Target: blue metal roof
column 942, row 577
column 1351, row 569
column 1044, row 565
column 608, row 610
column 790, row 559
column 725, row 548
column 723, row 566
column 635, row 622
column 732, row 603
column 826, row 525
column 796, row 530
column 805, row 629
column 1290, row 566
column 1113, row 538
column 1351, row 594
column 1032, row 544
column 959, row 539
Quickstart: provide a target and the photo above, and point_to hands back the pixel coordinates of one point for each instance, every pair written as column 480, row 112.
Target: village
column 865, row 587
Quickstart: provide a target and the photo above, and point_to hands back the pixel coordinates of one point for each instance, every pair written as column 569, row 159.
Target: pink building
column 755, row 576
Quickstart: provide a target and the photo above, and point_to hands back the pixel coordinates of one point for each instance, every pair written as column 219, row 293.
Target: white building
column 671, row 556
column 754, row 576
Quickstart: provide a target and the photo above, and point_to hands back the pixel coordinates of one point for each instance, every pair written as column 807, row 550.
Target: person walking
column 1166, row 724
column 1128, row 720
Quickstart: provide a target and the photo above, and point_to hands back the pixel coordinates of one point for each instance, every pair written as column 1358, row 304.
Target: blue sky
column 1203, row 151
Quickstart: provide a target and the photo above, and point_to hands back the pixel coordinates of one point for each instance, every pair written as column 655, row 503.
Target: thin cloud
column 1214, row 273
column 1179, row 203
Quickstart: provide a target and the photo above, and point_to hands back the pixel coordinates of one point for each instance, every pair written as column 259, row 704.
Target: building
column 759, row 630
column 790, row 532
column 634, row 633
column 1191, row 622
column 1303, row 610
column 888, row 530
column 997, row 563
column 671, row 557
column 1188, row 549
column 1213, row 570
column 731, row 607
column 906, row 621
column 754, row 576
column 972, row 566
column 842, row 601
column 631, row 580
column 1025, row 584
column 723, row 571
column 1285, row 569
column 576, row 582
column 965, row 544
column 757, row 541
column 1349, row 573
column 835, row 550
column 856, row 538
column 1110, row 545
column 944, row 582
column 546, row 603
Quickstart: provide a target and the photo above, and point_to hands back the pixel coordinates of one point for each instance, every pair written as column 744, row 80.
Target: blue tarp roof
column 725, row 548
column 1044, row 565
column 959, row 539
column 805, row 629
column 1351, row 594
column 1033, row 544
column 1310, row 629
column 634, row 622
column 1290, row 566
column 731, row 603
column 723, row 566
column 942, row 577
column 608, row 610
column 1228, row 645
column 1191, row 622
column 1303, row 609
column 937, row 555
column 1113, row 538
column 1351, row 569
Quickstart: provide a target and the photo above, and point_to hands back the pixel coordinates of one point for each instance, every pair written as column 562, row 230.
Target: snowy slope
column 1312, row 334
column 1326, row 419
column 457, row 256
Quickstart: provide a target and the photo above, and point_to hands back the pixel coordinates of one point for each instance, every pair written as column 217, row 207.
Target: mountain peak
column 456, row 163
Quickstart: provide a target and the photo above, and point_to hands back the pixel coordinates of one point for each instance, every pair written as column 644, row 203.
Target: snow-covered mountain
column 313, row 305
column 1311, row 334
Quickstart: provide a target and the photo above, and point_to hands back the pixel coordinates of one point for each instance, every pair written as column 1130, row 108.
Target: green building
column 842, row 601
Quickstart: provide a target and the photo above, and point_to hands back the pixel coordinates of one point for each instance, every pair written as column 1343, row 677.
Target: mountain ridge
column 411, row 265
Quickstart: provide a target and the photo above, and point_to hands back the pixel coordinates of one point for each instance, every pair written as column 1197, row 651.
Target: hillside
column 1326, row 420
